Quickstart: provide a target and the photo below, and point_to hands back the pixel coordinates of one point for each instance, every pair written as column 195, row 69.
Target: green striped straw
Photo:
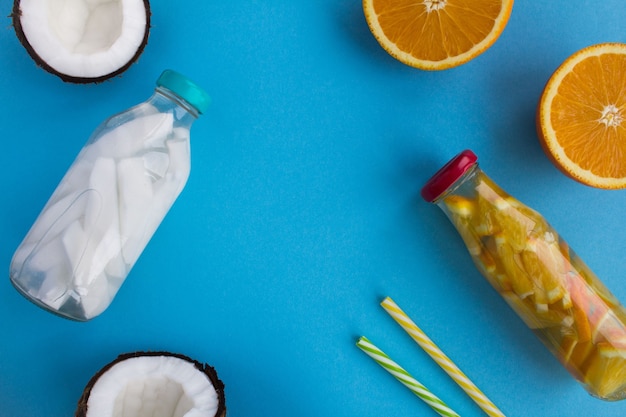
column 405, row 378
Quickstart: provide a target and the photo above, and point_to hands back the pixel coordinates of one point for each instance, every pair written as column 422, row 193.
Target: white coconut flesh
column 85, row 38
column 151, row 386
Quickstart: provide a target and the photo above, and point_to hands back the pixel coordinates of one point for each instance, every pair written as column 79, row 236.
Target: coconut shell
column 16, row 16
column 209, row 371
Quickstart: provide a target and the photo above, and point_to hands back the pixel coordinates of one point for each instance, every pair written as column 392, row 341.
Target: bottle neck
column 166, row 100
column 448, row 175
column 464, row 185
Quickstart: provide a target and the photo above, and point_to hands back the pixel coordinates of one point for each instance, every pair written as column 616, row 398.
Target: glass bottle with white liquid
column 110, row 202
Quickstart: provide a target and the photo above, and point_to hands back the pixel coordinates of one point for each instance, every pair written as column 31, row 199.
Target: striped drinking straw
column 405, row 378
column 442, row 360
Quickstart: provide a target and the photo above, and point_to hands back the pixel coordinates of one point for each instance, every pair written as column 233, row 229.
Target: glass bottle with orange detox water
column 538, row 274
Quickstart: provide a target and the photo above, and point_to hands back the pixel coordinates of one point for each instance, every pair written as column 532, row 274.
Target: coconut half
column 83, row 41
column 148, row 384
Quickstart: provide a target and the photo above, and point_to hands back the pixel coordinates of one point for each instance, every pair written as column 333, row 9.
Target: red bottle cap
column 448, row 175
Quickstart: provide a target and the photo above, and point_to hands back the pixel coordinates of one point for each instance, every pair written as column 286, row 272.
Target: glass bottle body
column 543, row 280
column 106, row 208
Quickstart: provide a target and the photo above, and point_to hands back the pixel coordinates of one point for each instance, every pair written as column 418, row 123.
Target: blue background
column 303, row 211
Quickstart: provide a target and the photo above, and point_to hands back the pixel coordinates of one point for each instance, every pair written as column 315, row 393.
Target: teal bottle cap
column 186, row 89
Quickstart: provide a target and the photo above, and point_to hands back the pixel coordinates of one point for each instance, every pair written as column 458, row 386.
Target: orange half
column 581, row 116
column 436, row 34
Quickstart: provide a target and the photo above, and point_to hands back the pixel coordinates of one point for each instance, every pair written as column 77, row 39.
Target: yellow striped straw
column 442, row 360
